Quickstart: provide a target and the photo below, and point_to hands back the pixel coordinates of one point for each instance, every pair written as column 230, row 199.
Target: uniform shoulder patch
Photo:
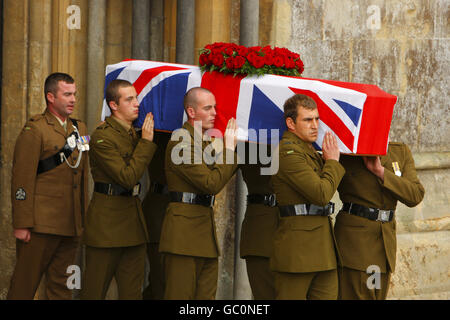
column 36, row 117
column 21, row 194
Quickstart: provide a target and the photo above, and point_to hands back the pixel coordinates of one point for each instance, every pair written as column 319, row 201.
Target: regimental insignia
column 290, row 151
column 21, row 194
column 396, row 168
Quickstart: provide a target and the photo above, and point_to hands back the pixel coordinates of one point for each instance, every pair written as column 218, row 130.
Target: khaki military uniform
column 258, row 227
column 304, row 255
column 363, row 242
column 116, row 233
column 154, row 207
column 188, row 236
column 51, row 204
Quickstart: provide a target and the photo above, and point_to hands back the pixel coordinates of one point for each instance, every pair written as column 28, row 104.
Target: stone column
column 39, row 54
column 156, row 30
column 118, row 31
column 96, row 61
column 69, row 42
column 249, row 23
column 141, row 30
column 13, row 117
column 185, row 31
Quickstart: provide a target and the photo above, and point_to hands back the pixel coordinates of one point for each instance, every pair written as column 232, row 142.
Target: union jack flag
column 358, row 114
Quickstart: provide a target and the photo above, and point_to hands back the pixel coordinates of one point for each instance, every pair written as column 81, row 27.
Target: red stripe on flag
column 330, row 118
column 148, row 74
column 376, row 116
column 226, row 91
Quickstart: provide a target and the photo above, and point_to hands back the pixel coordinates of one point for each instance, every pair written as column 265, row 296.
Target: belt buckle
column 383, row 215
column 137, row 189
column 110, row 190
column 213, row 198
column 300, row 210
column 330, row 208
column 188, row 197
column 271, row 200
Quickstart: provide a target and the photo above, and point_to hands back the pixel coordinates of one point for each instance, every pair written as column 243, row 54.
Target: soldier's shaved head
column 191, row 97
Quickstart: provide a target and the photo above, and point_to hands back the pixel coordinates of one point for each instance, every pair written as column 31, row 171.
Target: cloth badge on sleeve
column 396, row 168
column 21, row 194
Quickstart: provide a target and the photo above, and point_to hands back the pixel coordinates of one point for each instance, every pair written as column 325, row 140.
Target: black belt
column 206, row 200
column 265, row 199
column 156, row 187
column 57, row 159
column 306, row 210
column 369, row 213
column 113, row 189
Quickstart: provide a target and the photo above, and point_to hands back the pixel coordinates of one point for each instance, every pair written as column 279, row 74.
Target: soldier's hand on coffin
column 147, row 127
column 22, row 234
column 373, row 164
column 230, row 136
column 330, row 147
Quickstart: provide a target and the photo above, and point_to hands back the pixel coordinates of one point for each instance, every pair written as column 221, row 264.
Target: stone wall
column 402, row 46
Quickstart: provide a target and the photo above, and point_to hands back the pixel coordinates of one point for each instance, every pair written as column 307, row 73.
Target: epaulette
column 37, row 117
column 396, row 143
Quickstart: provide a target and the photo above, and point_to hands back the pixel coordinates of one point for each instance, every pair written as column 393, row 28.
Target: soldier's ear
column 190, row 112
column 50, row 97
column 290, row 124
column 113, row 106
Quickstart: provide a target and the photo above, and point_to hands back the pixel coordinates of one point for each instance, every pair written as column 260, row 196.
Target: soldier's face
column 205, row 110
column 306, row 126
column 128, row 107
column 63, row 102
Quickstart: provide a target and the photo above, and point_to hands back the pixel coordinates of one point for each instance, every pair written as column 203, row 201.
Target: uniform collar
column 306, row 146
column 53, row 120
column 114, row 123
column 124, row 124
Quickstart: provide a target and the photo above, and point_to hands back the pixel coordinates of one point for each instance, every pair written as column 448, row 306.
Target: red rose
column 203, row 59
column 278, row 61
column 218, row 60
column 267, row 50
column 258, row 62
column 238, row 62
column 242, row 51
column 210, row 58
column 268, row 59
column 229, row 62
column 229, row 51
column 299, row 65
column 289, row 63
column 252, row 57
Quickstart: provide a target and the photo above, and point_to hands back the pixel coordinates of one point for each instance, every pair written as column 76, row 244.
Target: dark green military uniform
column 115, row 233
column 154, row 207
column 304, row 256
column 258, row 228
column 363, row 242
column 50, row 204
column 188, row 236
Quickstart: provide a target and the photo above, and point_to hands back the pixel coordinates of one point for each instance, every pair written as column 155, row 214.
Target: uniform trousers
column 261, row 278
column 190, row 278
column 44, row 253
column 353, row 285
column 322, row 285
column 155, row 288
column 126, row 264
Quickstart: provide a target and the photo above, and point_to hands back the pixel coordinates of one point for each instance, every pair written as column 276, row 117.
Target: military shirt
column 189, row 229
column 120, row 158
column 364, row 242
column 52, row 202
column 304, row 243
